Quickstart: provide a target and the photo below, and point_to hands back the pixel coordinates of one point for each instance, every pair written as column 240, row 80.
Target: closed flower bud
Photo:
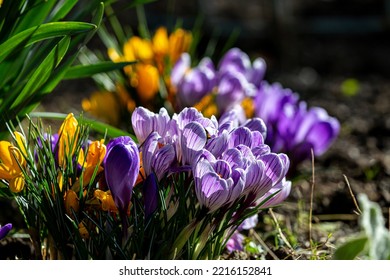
column 121, row 167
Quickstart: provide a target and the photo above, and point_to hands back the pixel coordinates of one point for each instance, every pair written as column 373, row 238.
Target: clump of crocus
column 237, row 83
column 216, row 90
column 233, row 172
column 143, row 80
column 293, row 127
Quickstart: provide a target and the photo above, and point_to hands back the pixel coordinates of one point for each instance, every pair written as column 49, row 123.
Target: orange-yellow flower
column 83, row 230
column 139, row 49
column 161, row 42
column 148, row 81
column 11, row 159
column 71, row 202
column 68, row 138
column 95, row 156
column 104, row 105
column 107, row 202
column 179, row 42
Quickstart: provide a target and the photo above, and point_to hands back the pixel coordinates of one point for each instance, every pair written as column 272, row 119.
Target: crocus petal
column 212, row 192
column 218, row 144
column 149, row 149
column 68, row 138
column 193, row 141
column 274, row 167
column 235, row 190
column 4, row 230
column 271, row 199
column 145, row 122
column 321, row 135
column 163, row 160
column 181, row 67
column 122, row 165
column 234, row 60
column 235, row 243
column 257, row 124
column 240, row 136
column 234, row 158
column 16, row 184
column 256, row 74
column 249, row 222
column 254, row 177
column 230, row 90
column 222, row 168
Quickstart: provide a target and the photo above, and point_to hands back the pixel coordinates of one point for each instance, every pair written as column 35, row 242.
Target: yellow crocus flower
column 138, row 49
column 11, row 158
column 95, row 156
column 68, row 138
column 103, row 105
column 179, row 42
column 71, row 202
column 160, row 42
column 147, row 81
column 107, row 202
column 83, row 230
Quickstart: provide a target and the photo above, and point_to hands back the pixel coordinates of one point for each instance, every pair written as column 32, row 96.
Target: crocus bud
column 121, row 167
column 71, row 203
column 4, row 230
column 11, row 158
column 67, row 138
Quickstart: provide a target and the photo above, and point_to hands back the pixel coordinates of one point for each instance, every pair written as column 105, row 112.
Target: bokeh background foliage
column 39, row 43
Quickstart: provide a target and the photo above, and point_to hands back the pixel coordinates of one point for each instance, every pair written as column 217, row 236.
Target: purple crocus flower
column 192, row 83
column 217, row 183
column 292, row 128
column 145, row 122
column 193, row 139
column 235, row 60
column 211, row 190
column 236, row 241
column 157, row 157
column 232, row 89
column 4, row 230
column 276, row 195
column 121, row 167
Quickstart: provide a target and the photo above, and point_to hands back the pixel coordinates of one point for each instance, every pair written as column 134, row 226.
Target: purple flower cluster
column 227, row 161
column 234, row 79
column 293, row 128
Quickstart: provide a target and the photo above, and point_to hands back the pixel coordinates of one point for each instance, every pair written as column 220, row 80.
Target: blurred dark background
column 345, row 37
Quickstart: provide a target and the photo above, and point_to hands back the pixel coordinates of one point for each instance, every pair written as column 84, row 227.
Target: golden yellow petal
column 160, row 41
column 16, row 184
column 148, row 81
column 71, row 202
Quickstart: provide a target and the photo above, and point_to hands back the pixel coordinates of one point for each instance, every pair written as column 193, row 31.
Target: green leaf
column 96, row 20
column 62, row 9
column 351, row 249
column 34, row 14
column 43, row 71
column 83, row 71
column 373, row 223
column 42, row 32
